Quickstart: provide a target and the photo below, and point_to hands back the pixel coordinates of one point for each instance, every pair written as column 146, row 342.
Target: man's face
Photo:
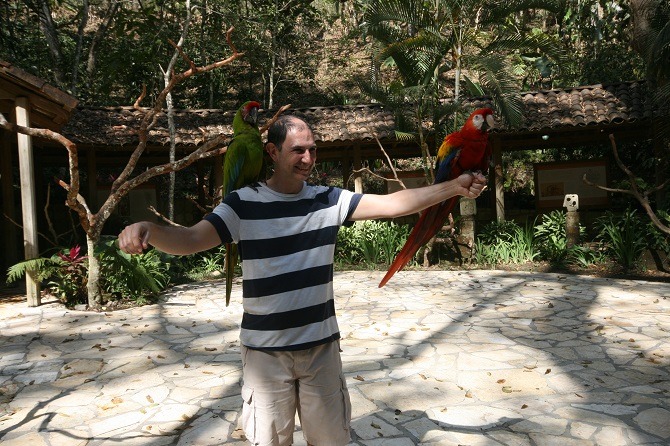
column 297, row 156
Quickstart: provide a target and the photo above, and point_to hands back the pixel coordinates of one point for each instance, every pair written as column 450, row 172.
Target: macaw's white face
column 483, row 122
column 293, row 163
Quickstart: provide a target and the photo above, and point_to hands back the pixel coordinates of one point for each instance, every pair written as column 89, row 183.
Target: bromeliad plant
column 138, row 278
column 65, row 274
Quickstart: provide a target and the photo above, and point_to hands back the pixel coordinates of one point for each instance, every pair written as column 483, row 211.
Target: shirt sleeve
column 353, row 204
column 225, row 220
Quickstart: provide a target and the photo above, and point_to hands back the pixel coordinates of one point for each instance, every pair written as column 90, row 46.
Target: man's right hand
column 134, row 239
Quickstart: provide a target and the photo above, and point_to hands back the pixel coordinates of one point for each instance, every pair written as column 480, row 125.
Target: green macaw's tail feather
column 231, row 262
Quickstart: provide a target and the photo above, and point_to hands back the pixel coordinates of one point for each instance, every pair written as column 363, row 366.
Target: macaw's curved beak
column 489, row 123
column 252, row 116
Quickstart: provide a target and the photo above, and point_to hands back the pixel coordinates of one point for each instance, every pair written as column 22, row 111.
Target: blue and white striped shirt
column 286, row 243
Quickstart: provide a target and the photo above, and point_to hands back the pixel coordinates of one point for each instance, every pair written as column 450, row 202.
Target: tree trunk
column 50, row 32
column 93, row 285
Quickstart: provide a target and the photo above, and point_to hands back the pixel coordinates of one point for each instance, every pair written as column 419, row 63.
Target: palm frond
column 44, row 266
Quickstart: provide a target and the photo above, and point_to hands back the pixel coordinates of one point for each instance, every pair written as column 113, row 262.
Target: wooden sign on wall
column 554, row 180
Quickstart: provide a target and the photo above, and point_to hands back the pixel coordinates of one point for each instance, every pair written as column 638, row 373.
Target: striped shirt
column 286, row 243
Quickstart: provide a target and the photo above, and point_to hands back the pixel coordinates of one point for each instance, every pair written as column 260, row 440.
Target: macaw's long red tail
column 431, row 221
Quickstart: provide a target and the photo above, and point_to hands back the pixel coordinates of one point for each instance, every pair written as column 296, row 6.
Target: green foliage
column 65, row 274
column 136, row 277
column 370, row 242
column 200, row 266
column 624, row 236
column 505, row 242
column 553, row 242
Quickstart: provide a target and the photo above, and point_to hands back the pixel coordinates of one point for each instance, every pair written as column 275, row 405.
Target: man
column 286, row 231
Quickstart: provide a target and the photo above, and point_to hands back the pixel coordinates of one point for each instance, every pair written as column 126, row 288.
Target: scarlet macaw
column 242, row 166
column 467, row 149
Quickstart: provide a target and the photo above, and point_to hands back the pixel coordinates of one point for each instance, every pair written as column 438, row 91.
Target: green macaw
column 242, row 166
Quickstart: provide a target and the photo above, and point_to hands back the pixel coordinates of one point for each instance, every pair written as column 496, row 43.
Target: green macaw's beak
column 252, row 116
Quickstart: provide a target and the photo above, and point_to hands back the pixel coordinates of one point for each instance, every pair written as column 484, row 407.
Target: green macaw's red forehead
column 251, row 104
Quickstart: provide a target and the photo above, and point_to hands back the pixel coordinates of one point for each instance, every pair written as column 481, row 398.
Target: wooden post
column 28, row 205
column 10, row 253
column 358, row 164
column 498, row 180
column 346, row 169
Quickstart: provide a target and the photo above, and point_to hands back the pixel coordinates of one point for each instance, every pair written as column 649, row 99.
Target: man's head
column 282, row 126
column 292, row 149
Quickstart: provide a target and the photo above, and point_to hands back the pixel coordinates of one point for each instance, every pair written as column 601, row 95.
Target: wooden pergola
column 30, row 102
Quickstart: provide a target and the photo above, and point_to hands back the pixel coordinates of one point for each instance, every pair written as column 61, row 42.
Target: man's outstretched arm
column 134, row 239
column 409, row 201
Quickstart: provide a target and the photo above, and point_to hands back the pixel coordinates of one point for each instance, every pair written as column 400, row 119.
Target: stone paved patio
column 433, row 358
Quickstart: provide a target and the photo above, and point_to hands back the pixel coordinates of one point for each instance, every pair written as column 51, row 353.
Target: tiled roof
column 116, row 126
column 50, row 107
column 613, row 104
column 551, row 109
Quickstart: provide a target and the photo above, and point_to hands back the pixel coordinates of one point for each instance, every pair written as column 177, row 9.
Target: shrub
column 65, row 274
column 505, row 242
column 199, row 266
column 624, row 236
column 370, row 242
column 138, row 277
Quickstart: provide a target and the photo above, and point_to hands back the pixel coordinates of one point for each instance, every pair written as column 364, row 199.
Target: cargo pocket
column 249, row 414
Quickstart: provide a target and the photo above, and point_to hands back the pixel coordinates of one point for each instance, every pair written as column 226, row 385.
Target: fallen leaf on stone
column 207, row 373
column 507, row 389
column 468, row 394
column 546, row 372
column 161, row 357
column 524, row 406
column 359, row 377
column 376, row 426
column 398, row 411
column 117, row 400
column 151, row 400
column 210, row 349
column 550, row 305
column 500, row 381
column 422, row 376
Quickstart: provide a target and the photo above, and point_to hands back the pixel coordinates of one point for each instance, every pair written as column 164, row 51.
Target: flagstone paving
column 433, row 358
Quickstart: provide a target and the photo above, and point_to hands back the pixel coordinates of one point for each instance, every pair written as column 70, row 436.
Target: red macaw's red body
column 466, row 150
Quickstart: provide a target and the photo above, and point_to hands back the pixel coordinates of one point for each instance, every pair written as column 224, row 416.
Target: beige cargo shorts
column 277, row 384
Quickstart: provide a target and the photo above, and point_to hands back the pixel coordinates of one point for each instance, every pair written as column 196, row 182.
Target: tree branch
column 163, row 217
column 71, row 147
column 272, row 120
column 152, row 114
column 641, row 197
